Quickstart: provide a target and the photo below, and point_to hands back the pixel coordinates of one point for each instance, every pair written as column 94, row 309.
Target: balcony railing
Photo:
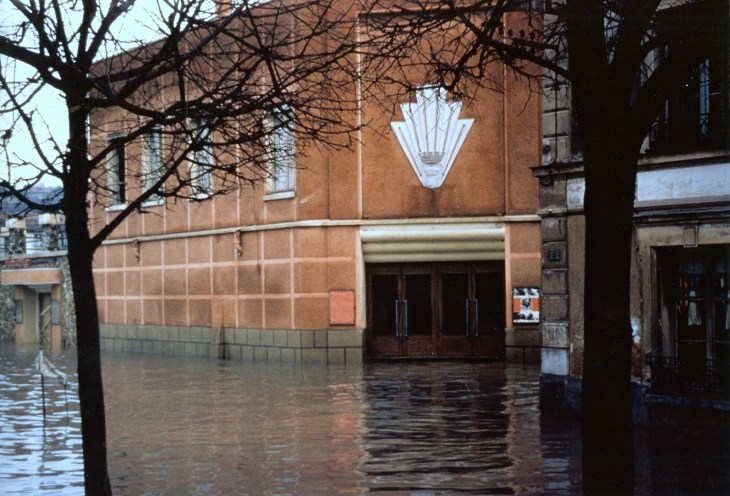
column 39, row 242
column 671, row 375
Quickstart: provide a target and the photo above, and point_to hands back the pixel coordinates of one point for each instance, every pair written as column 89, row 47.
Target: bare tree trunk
column 601, row 98
column 91, row 391
column 608, row 452
column 80, row 261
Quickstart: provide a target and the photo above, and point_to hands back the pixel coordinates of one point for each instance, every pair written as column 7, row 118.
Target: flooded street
column 181, row 425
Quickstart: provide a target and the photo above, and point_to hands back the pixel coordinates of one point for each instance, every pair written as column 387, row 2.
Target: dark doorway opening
column 436, row 309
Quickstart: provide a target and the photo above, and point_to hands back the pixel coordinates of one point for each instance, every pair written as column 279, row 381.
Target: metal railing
column 38, row 242
column 672, row 375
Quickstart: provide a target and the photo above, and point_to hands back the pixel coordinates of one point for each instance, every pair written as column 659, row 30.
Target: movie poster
column 526, row 306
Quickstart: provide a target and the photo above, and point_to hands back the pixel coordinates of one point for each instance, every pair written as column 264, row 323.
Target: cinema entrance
column 436, row 309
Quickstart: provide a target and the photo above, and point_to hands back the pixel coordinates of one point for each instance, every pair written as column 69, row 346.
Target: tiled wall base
column 523, row 345
column 257, row 345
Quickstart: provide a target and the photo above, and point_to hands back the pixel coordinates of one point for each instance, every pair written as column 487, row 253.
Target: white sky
column 49, row 107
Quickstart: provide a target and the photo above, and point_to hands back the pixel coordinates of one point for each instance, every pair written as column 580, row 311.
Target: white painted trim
column 40, row 254
column 200, row 196
column 116, row 207
column 279, row 195
column 332, row 223
column 154, row 203
column 678, row 184
column 683, row 183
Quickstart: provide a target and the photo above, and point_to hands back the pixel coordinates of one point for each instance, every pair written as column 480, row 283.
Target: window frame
column 200, row 159
column 696, row 116
column 151, row 150
column 116, row 171
column 280, row 180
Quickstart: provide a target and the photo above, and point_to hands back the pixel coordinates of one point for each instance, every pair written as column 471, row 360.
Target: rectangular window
column 695, row 116
column 152, row 157
column 281, row 151
column 116, row 173
column 201, row 159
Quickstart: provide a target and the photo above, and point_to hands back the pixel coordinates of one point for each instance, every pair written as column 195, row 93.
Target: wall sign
column 526, row 305
column 432, row 134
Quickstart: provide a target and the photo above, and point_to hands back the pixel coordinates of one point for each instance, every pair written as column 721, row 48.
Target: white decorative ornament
column 432, row 134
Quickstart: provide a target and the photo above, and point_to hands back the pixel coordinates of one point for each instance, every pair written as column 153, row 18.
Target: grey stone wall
column 344, row 347
column 15, row 243
column 7, row 312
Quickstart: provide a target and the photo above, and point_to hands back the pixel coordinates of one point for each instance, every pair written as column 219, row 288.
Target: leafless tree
column 624, row 60
column 243, row 79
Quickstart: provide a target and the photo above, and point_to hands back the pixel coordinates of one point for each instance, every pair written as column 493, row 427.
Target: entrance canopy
column 432, row 242
column 41, row 277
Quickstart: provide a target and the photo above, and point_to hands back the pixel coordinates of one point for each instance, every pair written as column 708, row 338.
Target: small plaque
column 342, row 308
column 554, row 255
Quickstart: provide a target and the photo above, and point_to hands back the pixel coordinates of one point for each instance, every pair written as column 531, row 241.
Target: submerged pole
column 43, row 395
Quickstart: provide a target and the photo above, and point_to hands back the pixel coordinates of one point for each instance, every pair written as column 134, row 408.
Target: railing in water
column 672, row 375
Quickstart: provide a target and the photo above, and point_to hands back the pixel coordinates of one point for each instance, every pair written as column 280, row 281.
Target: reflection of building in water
column 409, row 244
column 523, row 436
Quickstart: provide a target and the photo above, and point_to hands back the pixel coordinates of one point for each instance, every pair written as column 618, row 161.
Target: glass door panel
column 691, row 324
column 419, row 314
column 489, row 304
column 438, row 309
column 384, row 291
column 455, row 304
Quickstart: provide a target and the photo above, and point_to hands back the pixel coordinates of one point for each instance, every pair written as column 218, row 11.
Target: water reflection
column 37, row 456
column 202, row 426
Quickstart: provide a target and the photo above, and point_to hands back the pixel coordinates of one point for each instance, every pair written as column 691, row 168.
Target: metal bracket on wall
column 135, row 248
column 238, row 242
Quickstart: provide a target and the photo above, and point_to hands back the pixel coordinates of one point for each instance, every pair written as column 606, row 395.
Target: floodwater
column 183, row 425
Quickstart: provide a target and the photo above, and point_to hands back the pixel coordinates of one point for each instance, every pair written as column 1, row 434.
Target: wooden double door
column 436, row 309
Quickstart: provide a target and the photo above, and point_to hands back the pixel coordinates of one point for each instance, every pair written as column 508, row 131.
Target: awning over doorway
column 432, row 242
column 31, row 277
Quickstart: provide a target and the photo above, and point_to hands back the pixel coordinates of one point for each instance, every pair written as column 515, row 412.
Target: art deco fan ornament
column 432, row 134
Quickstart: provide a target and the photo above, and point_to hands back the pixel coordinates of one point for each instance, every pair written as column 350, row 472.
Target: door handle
column 467, row 316
column 406, row 303
column 476, row 314
column 397, row 321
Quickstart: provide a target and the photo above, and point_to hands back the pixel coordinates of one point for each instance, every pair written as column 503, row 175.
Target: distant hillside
column 39, row 194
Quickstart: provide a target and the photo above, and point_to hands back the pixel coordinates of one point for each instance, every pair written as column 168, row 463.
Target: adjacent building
column 680, row 303
column 36, row 297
